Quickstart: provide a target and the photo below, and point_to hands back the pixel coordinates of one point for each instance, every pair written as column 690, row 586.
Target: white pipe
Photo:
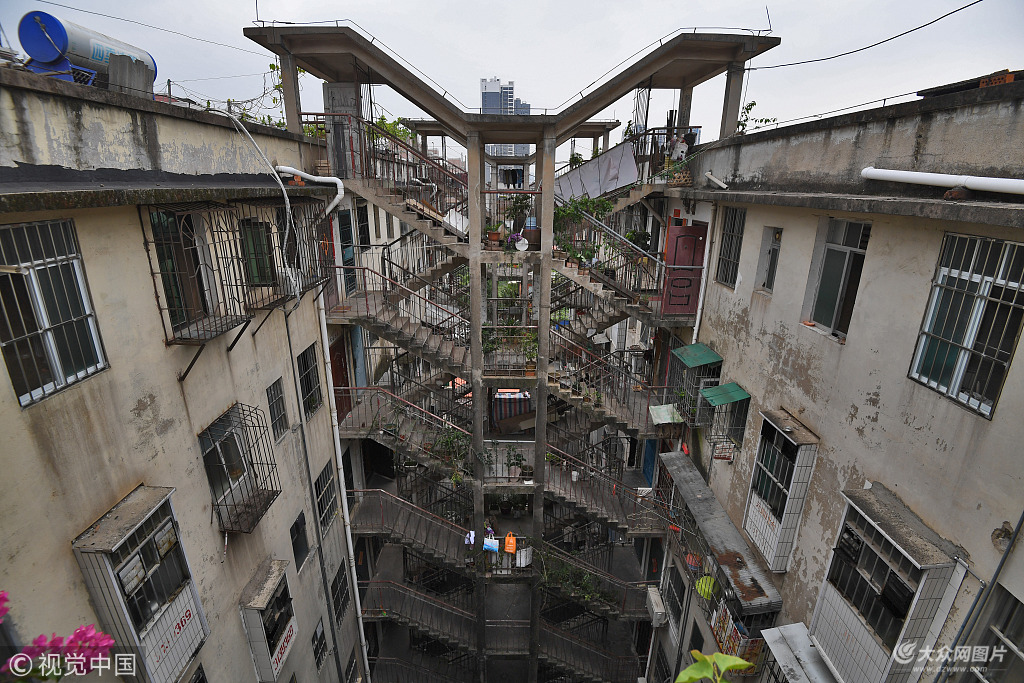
column 321, row 310
column 971, row 182
column 316, row 179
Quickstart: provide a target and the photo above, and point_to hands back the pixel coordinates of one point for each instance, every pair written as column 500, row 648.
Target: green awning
column 696, row 355
column 724, row 393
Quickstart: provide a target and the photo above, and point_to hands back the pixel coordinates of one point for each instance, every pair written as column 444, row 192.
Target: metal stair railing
column 575, row 653
column 583, row 581
column 387, row 599
column 366, row 151
column 379, row 512
column 409, row 257
column 390, row 670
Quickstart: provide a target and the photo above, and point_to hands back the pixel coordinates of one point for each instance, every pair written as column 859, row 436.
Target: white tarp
column 614, row 169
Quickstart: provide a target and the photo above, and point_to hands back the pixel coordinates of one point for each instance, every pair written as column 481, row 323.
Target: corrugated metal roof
column 696, row 355
column 724, row 393
column 749, row 581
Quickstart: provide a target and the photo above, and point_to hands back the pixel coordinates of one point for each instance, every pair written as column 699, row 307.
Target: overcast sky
column 554, row 49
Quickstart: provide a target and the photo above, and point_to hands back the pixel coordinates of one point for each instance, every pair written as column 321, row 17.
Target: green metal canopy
column 724, row 393
column 696, row 355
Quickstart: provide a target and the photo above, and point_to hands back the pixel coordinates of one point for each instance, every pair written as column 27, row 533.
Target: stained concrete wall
column 48, row 122
column 970, row 133
column 957, row 470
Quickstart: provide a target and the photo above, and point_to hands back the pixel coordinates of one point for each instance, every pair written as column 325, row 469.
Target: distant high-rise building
column 499, row 98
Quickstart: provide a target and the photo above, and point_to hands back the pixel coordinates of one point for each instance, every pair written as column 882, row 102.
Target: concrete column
column 733, row 93
column 685, row 105
column 474, row 169
column 542, row 281
column 606, row 143
column 423, row 143
column 290, row 93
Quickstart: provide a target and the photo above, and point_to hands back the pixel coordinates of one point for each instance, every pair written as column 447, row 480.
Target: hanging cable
column 867, row 47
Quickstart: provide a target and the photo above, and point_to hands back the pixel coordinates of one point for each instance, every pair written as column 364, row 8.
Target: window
column 199, row 676
column 240, row 467
column 363, row 225
column 339, row 594
column 150, row 567
column 661, row 672
column 48, row 331
column 771, row 245
column 675, row 594
column 326, row 497
column 973, row 320
column 778, row 485
column 732, row 241
column 1002, row 640
column 278, row 414
column 300, row 543
column 351, row 670
column 842, row 262
column 874, row 576
column 257, row 251
column 696, row 638
column 319, row 645
column 309, row 381
column 277, row 615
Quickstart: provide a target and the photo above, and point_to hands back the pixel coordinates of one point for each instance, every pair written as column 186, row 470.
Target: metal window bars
column 215, row 264
column 691, row 369
column 240, row 467
column 48, row 331
column 729, row 404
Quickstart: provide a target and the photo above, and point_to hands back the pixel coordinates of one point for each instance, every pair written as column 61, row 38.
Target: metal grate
column 240, row 467
column 278, row 414
column 326, row 497
column 340, row 594
column 309, row 381
column 732, row 242
column 48, row 331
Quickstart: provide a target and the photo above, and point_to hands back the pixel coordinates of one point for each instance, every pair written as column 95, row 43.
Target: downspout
column 970, row 621
column 312, row 491
column 971, row 182
column 332, row 402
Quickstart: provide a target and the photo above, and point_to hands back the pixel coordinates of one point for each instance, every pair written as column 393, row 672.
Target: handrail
column 402, row 502
column 438, row 418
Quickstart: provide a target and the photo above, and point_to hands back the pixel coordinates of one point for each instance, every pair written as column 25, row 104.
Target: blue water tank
column 50, row 40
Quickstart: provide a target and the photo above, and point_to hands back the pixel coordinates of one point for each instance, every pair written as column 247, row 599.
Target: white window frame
column 824, row 246
column 29, row 268
column 984, row 285
column 767, row 266
column 242, row 444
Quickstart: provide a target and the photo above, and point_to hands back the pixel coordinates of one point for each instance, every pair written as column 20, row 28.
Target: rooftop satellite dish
column 522, row 244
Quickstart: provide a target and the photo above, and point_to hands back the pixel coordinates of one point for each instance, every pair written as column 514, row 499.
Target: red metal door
column 684, row 251
column 339, row 376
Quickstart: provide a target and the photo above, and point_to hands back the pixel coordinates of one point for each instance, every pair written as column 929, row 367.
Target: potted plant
column 513, row 460
column 494, row 233
column 598, row 400
column 505, row 503
column 530, row 349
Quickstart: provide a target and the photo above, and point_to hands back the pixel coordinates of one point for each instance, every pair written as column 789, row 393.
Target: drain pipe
column 333, row 405
column 317, row 179
column 971, row 182
column 970, row 621
column 312, row 490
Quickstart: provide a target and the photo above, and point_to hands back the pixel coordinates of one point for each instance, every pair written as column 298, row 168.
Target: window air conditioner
column 656, row 607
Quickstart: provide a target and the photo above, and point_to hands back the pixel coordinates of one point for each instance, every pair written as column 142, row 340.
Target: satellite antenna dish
column 522, row 244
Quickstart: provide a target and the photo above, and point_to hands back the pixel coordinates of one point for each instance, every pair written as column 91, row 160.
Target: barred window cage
column 240, row 467
column 740, row 640
column 728, row 405
column 215, row 264
column 693, row 368
column 196, row 260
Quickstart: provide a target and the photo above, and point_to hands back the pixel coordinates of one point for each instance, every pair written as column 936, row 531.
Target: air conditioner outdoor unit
column 656, row 607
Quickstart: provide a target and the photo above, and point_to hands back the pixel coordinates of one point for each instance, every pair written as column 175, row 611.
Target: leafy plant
column 394, row 128
column 531, row 346
column 640, row 238
column 513, row 456
column 517, row 207
column 711, row 666
column 746, row 120
column 575, row 159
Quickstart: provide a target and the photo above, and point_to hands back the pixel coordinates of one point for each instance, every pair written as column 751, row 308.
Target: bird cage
column 693, row 368
column 728, row 405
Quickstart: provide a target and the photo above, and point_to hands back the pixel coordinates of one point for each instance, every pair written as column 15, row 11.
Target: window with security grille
column 997, row 654
column 732, row 242
column 278, row 414
column 300, row 542
column 842, row 263
column 309, row 381
column 778, row 485
column 319, row 645
column 340, row 594
column 150, row 567
column 973, row 320
column 326, row 497
column 257, row 251
column 277, row 615
column 48, row 330
column 675, row 594
column 240, row 467
column 661, row 673
column 351, row 669
column 874, row 576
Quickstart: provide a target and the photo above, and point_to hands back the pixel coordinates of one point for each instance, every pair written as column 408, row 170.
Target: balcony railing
column 363, row 150
column 573, row 576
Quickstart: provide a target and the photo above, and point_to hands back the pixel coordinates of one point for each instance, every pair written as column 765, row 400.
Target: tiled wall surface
column 846, row 640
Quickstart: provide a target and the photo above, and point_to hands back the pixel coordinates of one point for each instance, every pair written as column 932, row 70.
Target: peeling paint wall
column 957, row 470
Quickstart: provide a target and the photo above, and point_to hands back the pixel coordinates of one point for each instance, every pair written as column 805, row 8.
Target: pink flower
column 3, row 605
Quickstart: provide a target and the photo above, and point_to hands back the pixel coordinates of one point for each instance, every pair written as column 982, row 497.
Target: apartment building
column 169, row 455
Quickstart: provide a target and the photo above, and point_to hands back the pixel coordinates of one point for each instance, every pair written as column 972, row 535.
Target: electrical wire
column 866, row 47
column 155, row 28
column 219, row 78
